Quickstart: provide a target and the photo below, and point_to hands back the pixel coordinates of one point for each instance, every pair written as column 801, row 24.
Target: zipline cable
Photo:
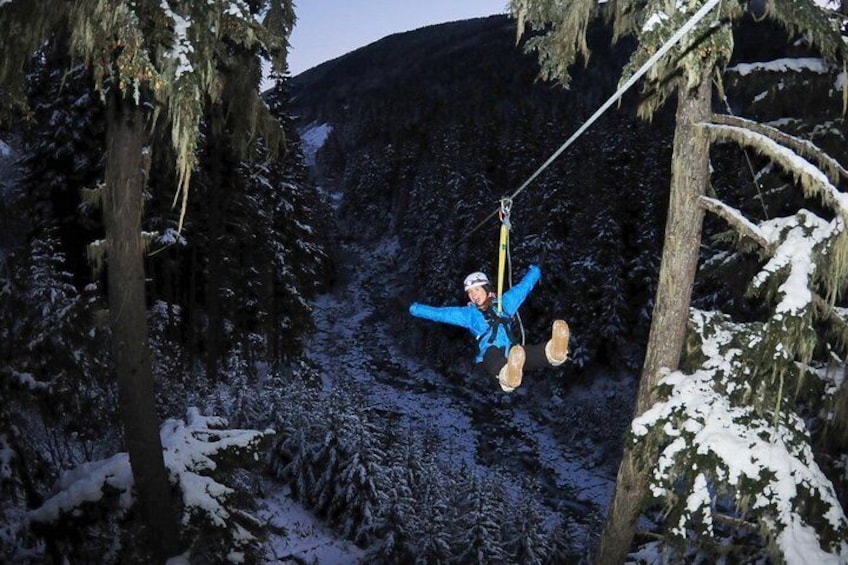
column 666, row 47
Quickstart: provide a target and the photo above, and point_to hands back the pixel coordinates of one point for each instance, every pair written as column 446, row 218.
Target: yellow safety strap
column 506, row 206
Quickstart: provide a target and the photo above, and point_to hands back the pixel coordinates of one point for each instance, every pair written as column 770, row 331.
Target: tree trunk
column 689, row 180
column 216, row 202
column 127, row 164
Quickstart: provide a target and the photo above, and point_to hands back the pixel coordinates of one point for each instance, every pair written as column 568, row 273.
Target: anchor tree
column 663, row 448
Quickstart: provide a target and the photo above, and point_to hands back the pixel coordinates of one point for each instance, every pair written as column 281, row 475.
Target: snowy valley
column 305, row 417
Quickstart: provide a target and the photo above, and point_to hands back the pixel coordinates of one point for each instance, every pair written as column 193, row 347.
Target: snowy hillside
column 480, row 429
column 304, row 415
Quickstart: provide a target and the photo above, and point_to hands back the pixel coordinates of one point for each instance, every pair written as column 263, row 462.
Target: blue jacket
column 470, row 317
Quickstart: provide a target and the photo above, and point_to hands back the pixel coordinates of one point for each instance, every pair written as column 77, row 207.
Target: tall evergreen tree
column 361, row 486
column 398, row 517
column 433, row 532
column 143, row 54
column 480, row 538
column 686, row 71
column 529, row 538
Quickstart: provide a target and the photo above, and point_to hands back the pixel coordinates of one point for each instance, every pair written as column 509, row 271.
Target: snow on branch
column 813, row 180
column 736, row 219
column 707, row 431
column 795, row 241
column 189, row 448
column 88, row 483
column 803, row 147
column 791, row 244
column 796, row 251
column 796, row 64
column 182, row 45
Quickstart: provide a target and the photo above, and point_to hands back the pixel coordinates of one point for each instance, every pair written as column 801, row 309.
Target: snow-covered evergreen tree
column 433, row 536
column 58, row 402
column 480, row 525
column 561, row 38
column 100, row 492
column 362, row 486
column 146, row 56
column 528, row 537
column 561, row 545
column 764, row 376
column 398, row 514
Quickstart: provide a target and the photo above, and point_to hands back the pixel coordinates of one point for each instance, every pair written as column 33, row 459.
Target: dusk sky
column 327, row 29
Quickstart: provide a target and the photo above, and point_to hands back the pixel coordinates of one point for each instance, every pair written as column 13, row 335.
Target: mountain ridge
column 431, row 127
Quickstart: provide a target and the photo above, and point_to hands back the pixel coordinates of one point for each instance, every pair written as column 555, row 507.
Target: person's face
column 477, row 295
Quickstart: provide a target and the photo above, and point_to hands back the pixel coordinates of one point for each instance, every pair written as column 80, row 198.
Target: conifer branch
column 735, row 218
column 802, row 147
column 812, row 180
column 747, row 229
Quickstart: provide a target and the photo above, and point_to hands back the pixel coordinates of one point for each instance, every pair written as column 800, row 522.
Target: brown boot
column 556, row 349
column 511, row 373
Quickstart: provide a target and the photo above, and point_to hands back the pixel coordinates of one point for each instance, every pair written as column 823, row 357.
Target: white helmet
column 475, row 279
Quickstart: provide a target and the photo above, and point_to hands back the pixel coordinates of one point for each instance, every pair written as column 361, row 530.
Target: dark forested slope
column 432, row 127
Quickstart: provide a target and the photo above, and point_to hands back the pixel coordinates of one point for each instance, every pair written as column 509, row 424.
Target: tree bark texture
column 216, row 201
column 689, row 180
column 126, row 174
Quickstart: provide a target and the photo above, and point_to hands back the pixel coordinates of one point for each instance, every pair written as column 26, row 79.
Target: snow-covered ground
column 313, row 138
column 578, row 479
column 296, row 536
column 417, row 396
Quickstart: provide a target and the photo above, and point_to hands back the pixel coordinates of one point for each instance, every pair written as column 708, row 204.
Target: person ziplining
column 501, row 357
column 489, row 318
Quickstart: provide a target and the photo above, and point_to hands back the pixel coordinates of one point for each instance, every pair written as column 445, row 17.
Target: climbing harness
column 512, row 327
column 665, row 48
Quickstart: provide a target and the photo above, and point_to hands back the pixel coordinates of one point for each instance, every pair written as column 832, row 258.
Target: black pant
column 495, row 358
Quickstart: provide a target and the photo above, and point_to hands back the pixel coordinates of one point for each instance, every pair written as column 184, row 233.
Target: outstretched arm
column 454, row 315
column 514, row 297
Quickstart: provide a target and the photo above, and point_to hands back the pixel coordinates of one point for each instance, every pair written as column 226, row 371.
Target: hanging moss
column 159, row 51
column 96, row 252
column 93, row 196
column 561, row 35
column 23, row 27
